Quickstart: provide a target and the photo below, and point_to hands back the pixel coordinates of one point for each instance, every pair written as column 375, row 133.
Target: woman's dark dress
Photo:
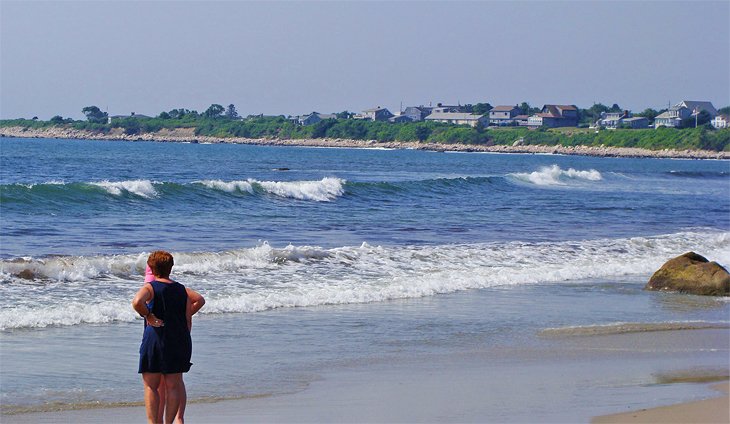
column 167, row 349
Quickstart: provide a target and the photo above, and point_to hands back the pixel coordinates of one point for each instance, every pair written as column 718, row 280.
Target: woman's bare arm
column 139, row 304
column 195, row 302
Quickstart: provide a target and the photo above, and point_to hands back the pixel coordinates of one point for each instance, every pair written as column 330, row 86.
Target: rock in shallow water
column 691, row 273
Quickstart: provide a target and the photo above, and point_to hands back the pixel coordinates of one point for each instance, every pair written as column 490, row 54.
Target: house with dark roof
column 417, row 113
column 553, row 116
column 375, row 114
column 315, row 117
column 681, row 111
column 503, row 115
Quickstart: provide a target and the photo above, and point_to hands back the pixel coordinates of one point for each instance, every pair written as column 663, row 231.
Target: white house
column 503, row 115
column 457, row 118
column 721, row 121
column 681, row 111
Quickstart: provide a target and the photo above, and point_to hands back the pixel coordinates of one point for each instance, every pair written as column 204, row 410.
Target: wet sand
column 541, row 384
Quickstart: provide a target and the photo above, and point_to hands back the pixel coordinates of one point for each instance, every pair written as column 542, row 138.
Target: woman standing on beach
column 167, row 307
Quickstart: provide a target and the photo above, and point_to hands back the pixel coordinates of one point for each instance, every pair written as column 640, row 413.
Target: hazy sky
column 296, row 57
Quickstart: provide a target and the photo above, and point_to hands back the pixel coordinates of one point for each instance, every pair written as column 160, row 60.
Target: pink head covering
column 148, row 276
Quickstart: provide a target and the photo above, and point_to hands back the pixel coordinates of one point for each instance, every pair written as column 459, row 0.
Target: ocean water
column 313, row 258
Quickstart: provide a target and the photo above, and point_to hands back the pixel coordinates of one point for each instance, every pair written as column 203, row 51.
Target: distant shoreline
column 187, row 135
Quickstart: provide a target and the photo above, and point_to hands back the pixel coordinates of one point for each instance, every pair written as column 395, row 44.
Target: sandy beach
column 384, row 396
column 187, row 135
column 470, row 387
column 715, row 410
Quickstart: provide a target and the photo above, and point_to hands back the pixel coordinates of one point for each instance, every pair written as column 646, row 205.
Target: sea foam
column 263, row 277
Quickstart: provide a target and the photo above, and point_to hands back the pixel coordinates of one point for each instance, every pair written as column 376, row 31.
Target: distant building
column 400, row 118
column 613, row 119
column 553, row 116
column 503, row 115
column 622, row 119
column 315, row 117
column 417, row 113
column 442, row 108
column 685, row 109
column 458, row 118
column 636, row 123
column 521, row 120
column 721, row 121
column 375, row 114
column 132, row 115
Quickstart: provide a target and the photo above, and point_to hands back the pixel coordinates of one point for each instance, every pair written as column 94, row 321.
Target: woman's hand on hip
column 154, row 321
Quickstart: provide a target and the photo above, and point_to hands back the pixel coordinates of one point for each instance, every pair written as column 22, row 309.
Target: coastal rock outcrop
column 691, row 273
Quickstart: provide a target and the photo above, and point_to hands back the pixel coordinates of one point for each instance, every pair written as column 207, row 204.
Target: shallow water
column 351, row 257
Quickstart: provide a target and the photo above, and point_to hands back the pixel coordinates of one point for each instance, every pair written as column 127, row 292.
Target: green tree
column 214, row 111
column 527, row 109
column 481, row 108
column 58, row 119
column 164, row 115
column 231, row 112
column 648, row 113
column 702, row 118
column 422, row 132
column 724, row 111
column 95, row 115
column 344, row 115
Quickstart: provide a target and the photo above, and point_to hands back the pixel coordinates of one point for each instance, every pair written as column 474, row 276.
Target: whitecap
column 324, row 190
column 554, row 175
column 228, row 186
column 142, row 188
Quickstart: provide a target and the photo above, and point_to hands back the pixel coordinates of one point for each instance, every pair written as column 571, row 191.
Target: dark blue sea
column 311, row 258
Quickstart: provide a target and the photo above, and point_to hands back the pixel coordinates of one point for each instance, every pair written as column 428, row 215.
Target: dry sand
column 716, row 410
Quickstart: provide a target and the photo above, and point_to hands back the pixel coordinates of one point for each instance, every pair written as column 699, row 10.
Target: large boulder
column 691, row 273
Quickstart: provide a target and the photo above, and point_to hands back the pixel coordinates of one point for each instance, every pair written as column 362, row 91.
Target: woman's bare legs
column 161, row 393
column 176, row 398
column 151, row 383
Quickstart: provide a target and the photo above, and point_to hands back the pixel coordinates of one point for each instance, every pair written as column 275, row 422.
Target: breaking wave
column 74, row 290
column 326, row 189
column 141, row 188
column 554, row 175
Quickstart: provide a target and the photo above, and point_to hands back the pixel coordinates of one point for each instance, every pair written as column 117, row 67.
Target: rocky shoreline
column 187, row 135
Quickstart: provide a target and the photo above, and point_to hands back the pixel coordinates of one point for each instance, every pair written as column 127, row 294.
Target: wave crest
column 554, row 175
column 324, row 190
column 141, row 188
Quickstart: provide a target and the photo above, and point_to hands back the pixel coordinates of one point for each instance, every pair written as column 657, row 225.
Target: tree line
column 222, row 122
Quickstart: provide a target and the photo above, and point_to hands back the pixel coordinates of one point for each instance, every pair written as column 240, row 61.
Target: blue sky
column 298, row 57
